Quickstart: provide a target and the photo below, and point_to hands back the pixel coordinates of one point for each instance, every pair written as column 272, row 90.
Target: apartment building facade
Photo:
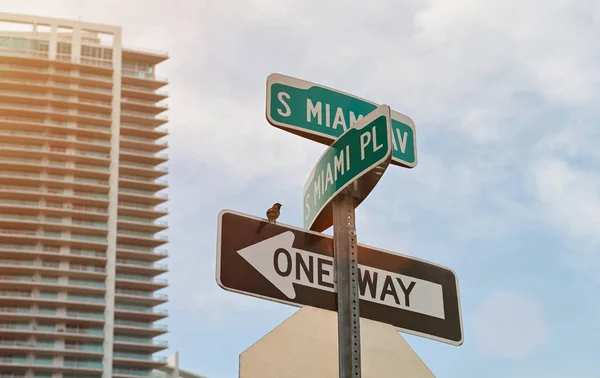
column 81, row 162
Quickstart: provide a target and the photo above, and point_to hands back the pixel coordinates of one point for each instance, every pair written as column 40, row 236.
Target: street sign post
column 295, row 266
column 343, row 176
column 322, row 114
column 359, row 156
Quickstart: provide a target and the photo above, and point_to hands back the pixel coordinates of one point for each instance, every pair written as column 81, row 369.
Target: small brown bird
column 273, row 213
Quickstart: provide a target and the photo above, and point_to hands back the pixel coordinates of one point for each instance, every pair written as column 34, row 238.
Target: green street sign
column 360, row 156
column 322, row 114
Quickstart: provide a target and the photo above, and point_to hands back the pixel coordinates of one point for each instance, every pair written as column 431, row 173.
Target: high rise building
column 80, row 162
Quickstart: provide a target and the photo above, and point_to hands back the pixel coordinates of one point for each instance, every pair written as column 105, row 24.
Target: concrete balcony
column 149, row 132
column 139, row 312
column 142, row 93
column 140, row 238
column 134, row 282
column 136, row 143
column 12, row 313
column 39, row 96
column 139, row 328
column 140, row 267
column 141, row 156
column 135, row 343
column 141, row 224
column 140, row 105
column 140, row 253
column 146, row 184
column 131, row 359
column 141, row 118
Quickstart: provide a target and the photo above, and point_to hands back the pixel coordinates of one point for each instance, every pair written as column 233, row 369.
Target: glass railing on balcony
column 96, row 77
column 90, row 181
column 18, row 247
column 19, row 217
column 145, row 166
column 85, row 331
column 97, row 239
column 20, row 326
column 131, row 372
column 13, row 360
column 149, row 180
column 16, row 278
column 134, row 277
column 91, row 195
column 144, row 309
column 15, row 310
column 86, row 315
column 92, row 167
column 20, row 160
column 79, row 222
column 13, row 146
column 142, row 206
column 19, row 174
column 19, row 203
column 145, row 153
column 83, row 364
column 90, row 209
column 92, row 154
column 15, row 293
column 87, row 252
column 134, row 356
column 85, row 100
column 17, row 262
column 93, row 114
column 74, row 282
column 139, row 340
column 93, row 127
column 95, row 89
column 86, row 299
column 84, row 347
column 146, row 193
column 138, row 88
column 87, row 268
column 132, row 100
column 92, row 140
column 147, row 235
column 46, row 295
column 134, row 248
column 143, row 140
column 141, row 220
column 136, row 263
column 46, row 311
column 18, row 66
column 17, row 232
column 139, row 293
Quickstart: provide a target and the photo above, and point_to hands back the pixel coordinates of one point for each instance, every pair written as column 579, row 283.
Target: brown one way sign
column 295, row 266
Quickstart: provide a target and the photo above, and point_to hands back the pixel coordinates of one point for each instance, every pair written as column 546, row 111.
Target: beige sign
column 306, row 345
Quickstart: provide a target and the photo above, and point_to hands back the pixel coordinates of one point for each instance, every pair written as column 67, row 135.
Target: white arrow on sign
column 284, row 266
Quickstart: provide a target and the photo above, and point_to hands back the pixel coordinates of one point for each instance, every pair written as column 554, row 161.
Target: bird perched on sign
column 273, row 213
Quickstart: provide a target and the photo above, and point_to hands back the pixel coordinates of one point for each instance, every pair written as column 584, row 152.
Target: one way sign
column 295, row 266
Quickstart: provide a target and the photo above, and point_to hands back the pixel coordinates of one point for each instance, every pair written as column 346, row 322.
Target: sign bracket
column 345, row 248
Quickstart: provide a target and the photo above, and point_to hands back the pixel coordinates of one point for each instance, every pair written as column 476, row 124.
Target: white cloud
column 509, row 325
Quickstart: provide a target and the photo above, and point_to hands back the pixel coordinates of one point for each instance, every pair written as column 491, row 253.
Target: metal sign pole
column 346, row 264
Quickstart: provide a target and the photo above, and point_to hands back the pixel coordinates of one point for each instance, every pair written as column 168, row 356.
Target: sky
column 504, row 97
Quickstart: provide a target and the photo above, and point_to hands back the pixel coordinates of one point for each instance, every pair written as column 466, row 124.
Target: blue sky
column 504, row 96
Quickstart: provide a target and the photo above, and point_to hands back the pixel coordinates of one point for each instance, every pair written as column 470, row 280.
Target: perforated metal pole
column 346, row 265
